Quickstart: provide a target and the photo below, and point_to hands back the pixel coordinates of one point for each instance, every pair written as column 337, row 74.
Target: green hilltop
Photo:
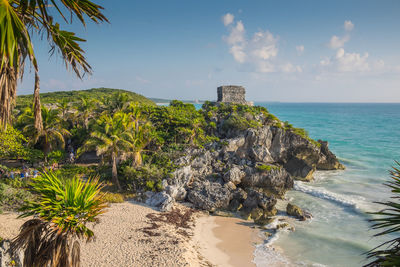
column 72, row 96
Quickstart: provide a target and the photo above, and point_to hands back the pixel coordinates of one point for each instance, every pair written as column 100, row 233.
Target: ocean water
column 366, row 139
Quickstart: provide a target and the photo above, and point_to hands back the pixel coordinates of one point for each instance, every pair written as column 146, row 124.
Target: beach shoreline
column 126, row 235
column 226, row 241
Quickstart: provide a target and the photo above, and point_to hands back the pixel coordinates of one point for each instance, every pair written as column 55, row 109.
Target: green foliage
column 236, row 121
column 12, row 143
column 56, row 156
column 388, row 220
column 263, row 167
column 110, row 197
column 13, row 195
column 72, row 96
column 68, row 204
column 69, row 171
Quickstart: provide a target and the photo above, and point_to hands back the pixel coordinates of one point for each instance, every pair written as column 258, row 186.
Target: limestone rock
column 161, row 200
column 297, row 212
column 209, row 196
column 234, row 175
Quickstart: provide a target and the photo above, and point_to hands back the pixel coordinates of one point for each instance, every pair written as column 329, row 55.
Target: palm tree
column 119, row 101
column 109, row 138
column 85, row 110
column 19, row 19
column 138, row 138
column 388, row 253
column 63, row 106
column 61, row 212
column 52, row 133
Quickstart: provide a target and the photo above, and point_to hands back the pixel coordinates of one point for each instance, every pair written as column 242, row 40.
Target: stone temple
column 232, row 94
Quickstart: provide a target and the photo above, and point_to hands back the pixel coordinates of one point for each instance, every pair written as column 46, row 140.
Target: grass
column 111, row 197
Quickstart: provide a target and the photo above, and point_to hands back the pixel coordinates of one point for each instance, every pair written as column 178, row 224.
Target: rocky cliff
column 254, row 162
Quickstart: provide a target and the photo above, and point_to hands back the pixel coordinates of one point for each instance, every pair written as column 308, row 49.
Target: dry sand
column 128, row 236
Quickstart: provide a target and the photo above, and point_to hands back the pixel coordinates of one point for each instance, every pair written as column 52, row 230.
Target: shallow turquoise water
column 365, row 137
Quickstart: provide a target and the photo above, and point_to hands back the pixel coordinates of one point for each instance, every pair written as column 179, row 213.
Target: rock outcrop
column 297, row 212
column 249, row 167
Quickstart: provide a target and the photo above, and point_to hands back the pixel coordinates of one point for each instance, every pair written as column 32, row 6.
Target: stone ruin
column 232, row 94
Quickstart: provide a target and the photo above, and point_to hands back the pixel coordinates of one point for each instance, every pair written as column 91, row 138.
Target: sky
column 288, row 51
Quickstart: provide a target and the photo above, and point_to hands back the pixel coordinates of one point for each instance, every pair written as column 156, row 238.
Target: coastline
column 126, row 236
column 226, row 241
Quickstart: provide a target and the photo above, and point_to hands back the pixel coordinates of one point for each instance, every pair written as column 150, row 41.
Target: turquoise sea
column 366, row 139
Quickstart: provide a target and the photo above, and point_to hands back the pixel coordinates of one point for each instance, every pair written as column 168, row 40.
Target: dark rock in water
column 300, row 169
column 297, row 212
column 257, row 205
column 209, row 196
column 328, row 160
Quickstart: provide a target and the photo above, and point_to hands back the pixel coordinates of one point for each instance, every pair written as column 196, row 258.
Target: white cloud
column 300, row 49
column 351, row 62
column 237, row 34
column 348, row 62
column 348, row 26
column 238, row 54
column 337, row 42
column 289, row 67
column 227, row 19
column 257, row 53
column 263, row 45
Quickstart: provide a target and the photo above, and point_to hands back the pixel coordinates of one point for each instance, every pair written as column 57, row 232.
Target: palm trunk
column 36, row 105
column 137, row 159
column 114, row 170
column 8, row 88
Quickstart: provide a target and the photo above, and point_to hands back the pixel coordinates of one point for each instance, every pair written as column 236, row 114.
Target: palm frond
column 388, row 253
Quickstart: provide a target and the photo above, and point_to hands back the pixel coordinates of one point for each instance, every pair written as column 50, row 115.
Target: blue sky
column 292, row 51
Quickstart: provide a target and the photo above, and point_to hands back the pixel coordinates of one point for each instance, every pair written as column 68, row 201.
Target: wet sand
column 226, row 241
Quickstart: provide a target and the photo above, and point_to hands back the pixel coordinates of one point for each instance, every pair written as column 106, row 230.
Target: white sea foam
column 265, row 255
column 320, row 192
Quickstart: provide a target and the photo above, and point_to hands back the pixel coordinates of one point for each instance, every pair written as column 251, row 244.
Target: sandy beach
column 226, row 241
column 132, row 234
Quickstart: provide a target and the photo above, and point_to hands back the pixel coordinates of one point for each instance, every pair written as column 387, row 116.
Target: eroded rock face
column 209, row 196
column 247, row 169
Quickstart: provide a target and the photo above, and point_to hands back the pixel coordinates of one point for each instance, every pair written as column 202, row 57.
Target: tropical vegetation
column 388, row 221
column 61, row 211
column 130, row 141
column 19, row 19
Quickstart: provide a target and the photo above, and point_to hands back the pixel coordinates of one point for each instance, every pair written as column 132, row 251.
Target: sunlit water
column 365, row 138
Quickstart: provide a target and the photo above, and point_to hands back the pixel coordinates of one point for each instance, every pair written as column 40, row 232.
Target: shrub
column 263, row 167
column 12, row 198
column 56, row 156
column 110, row 197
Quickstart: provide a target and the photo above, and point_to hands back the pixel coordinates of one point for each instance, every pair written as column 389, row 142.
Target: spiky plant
column 61, row 213
column 388, row 220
